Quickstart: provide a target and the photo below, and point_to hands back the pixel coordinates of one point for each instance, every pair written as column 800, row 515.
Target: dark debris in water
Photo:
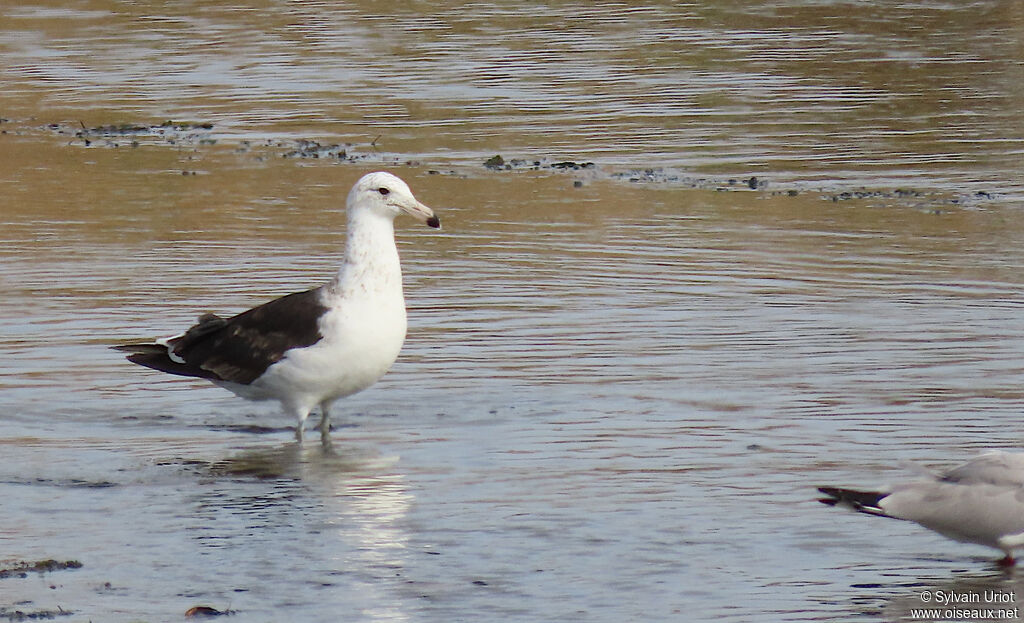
column 204, row 612
column 671, row 177
column 497, row 163
column 876, row 194
column 134, row 134
column 127, row 129
column 33, row 615
column 22, row 569
column 308, row 149
column 304, row 148
column 651, row 175
column 197, row 134
column 70, row 483
column 201, row 134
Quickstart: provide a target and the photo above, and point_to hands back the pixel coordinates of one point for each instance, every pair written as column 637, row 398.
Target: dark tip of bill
column 434, row 222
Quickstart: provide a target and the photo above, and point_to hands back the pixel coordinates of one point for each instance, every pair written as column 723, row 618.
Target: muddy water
column 616, row 397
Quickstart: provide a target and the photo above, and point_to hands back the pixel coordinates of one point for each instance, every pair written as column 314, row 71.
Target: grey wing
column 997, row 468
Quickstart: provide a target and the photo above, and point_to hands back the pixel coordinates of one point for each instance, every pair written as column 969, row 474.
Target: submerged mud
column 203, row 135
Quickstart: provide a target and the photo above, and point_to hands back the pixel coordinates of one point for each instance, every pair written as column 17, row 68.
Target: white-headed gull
column 980, row 501
column 308, row 349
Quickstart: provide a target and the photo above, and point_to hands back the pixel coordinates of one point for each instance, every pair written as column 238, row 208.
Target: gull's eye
column 384, row 191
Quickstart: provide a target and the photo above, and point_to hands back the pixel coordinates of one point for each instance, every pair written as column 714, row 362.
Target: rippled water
column 811, row 92
column 616, row 397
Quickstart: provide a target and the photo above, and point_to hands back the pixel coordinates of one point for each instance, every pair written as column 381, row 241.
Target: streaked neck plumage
column 371, row 268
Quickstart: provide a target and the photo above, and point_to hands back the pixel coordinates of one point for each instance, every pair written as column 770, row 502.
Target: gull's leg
column 300, row 414
column 325, row 419
column 325, row 425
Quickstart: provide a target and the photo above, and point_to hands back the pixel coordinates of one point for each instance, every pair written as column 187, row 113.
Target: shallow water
column 616, row 397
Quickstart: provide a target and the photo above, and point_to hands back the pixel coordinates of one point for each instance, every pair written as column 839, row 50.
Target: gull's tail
column 861, row 501
column 157, row 357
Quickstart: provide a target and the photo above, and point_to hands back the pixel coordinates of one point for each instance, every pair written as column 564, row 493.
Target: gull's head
column 387, row 195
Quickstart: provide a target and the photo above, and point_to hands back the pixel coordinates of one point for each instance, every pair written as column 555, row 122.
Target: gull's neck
column 371, row 269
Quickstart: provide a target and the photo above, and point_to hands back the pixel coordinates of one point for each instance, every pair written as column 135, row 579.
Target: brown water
column 616, row 397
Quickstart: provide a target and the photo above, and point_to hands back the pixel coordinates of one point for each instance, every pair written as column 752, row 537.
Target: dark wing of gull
column 237, row 349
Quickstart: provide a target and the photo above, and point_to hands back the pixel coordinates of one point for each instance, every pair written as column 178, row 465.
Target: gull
column 980, row 501
column 308, row 349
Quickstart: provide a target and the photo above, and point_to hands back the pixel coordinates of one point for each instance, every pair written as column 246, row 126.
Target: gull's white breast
column 361, row 340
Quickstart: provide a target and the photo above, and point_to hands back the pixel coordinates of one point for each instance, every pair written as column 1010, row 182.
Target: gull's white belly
column 359, row 345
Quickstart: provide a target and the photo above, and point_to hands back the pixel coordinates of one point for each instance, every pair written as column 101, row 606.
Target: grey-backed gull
column 980, row 501
column 308, row 349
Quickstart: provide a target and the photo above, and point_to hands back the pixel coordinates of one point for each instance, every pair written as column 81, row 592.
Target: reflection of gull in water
column 981, row 501
column 325, row 517
column 309, row 464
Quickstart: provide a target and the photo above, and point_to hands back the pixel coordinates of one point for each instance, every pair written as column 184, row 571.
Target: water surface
column 616, row 397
